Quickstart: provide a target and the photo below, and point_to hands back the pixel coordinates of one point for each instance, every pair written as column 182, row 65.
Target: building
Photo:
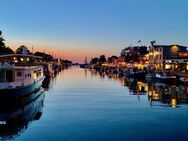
column 161, row 55
column 134, row 54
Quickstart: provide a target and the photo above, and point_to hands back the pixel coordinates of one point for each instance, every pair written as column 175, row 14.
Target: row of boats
column 162, row 77
column 23, row 81
column 158, row 77
column 23, row 74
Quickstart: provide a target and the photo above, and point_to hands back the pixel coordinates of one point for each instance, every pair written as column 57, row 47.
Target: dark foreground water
column 81, row 105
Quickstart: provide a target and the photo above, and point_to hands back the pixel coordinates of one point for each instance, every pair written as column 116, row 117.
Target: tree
column 112, row 59
column 102, row 59
column 2, row 44
column 94, row 60
column 3, row 49
column 45, row 57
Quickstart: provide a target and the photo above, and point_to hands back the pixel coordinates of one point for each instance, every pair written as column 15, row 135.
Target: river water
column 83, row 105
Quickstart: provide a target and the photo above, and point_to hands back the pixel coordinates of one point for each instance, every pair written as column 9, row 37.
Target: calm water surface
column 81, row 105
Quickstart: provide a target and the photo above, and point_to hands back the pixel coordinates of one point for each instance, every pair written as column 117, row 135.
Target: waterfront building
column 161, row 55
column 135, row 56
column 178, row 63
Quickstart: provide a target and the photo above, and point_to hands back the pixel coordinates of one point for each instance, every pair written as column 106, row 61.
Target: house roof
column 166, row 46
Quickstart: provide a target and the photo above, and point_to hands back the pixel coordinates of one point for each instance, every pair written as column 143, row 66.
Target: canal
column 83, row 105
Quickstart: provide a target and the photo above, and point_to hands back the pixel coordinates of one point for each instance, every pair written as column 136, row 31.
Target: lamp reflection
column 159, row 94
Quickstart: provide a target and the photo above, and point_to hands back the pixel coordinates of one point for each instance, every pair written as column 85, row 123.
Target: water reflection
column 167, row 95
column 49, row 82
column 17, row 113
column 159, row 94
column 46, row 83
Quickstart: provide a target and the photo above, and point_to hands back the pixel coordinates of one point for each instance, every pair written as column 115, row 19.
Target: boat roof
column 19, row 55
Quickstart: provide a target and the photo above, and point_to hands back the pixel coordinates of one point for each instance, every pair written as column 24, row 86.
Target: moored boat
column 136, row 74
column 184, row 80
column 150, row 76
column 165, row 79
column 20, row 74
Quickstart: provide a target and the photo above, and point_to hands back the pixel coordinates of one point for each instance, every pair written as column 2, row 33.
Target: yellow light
column 104, row 64
column 173, row 102
column 167, row 66
column 34, row 75
column 156, row 53
column 174, row 48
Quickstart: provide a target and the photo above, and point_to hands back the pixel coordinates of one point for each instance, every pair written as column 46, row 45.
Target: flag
column 153, row 42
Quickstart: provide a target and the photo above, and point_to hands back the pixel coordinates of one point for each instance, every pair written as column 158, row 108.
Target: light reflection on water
column 82, row 105
column 159, row 94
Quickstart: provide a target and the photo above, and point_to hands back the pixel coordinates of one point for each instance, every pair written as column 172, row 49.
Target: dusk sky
column 78, row 28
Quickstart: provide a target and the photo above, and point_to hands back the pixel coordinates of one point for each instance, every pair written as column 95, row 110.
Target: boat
column 165, row 79
column 139, row 74
column 150, row 76
column 20, row 74
column 184, row 80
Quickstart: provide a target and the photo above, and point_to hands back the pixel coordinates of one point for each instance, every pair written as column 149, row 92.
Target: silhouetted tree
column 94, row 60
column 112, row 59
column 46, row 57
column 3, row 48
column 102, row 59
column 2, row 44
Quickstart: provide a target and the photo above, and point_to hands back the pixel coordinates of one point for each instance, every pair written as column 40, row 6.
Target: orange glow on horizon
column 72, row 53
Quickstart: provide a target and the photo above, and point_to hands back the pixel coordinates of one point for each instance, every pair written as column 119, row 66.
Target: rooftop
column 161, row 46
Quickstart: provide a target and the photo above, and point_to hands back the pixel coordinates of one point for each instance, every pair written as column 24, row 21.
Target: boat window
column 2, row 75
column 19, row 74
column 9, row 76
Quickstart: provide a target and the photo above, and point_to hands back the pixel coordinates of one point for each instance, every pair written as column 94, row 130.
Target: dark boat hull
column 166, row 80
column 21, row 91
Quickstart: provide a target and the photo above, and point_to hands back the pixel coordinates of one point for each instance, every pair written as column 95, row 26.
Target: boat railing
column 12, row 64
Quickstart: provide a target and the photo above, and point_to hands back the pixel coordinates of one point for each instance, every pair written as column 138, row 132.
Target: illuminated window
column 167, row 66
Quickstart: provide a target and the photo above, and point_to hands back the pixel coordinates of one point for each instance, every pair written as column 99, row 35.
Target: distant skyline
column 74, row 29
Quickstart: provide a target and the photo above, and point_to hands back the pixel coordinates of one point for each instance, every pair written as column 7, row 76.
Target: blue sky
column 92, row 27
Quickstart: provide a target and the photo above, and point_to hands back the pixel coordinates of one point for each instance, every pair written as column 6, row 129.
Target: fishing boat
column 165, row 79
column 20, row 74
